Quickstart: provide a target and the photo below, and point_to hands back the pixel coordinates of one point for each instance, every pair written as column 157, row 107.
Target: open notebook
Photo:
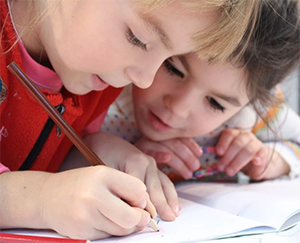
column 217, row 210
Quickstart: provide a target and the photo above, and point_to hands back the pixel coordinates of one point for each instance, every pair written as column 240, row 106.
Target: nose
column 142, row 74
column 181, row 103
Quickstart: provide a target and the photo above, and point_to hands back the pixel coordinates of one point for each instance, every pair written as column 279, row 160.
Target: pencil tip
column 153, row 225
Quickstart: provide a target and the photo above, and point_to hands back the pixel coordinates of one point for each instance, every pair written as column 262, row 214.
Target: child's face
column 189, row 98
column 93, row 44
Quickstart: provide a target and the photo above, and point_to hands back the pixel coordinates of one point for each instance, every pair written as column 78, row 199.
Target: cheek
column 93, row 53
column 205, row 124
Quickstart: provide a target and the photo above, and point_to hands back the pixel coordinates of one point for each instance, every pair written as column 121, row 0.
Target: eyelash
column 172, row 70
column 214, row 104
column 134, row 40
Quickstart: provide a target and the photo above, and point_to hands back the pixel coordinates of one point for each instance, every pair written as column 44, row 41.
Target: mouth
column 157, row 123
column 98, row 83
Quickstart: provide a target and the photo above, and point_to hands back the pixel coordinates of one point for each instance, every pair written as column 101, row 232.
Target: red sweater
column 23, row 119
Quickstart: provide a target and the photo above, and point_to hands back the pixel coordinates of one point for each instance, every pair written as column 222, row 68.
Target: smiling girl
column 228, row 105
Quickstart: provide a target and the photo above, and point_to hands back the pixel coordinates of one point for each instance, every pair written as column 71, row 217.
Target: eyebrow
column 156, row 27
column 230, row 99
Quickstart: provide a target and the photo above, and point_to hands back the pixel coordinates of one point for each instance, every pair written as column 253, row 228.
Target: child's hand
column 181, row 154
column 276, row 166
column 244, row 151
column 121, row 155
column 94, row 202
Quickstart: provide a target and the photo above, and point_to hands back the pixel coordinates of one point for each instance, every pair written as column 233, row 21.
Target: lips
column 157, row 123
column 98, row 83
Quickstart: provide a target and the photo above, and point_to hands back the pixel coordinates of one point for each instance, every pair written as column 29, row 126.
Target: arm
column 239, row 150
column 81, row 203
column 284, row 137
column 125, row 157
column 272, row 152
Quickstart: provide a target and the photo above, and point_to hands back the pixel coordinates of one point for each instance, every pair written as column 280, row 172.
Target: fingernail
column 143, row 204
column 172, row 213
column 221, row 167
column 229, row 172
column 199, row 152
column 220, row 151
column 176, row 210
column 196, row 165
column 188, row 175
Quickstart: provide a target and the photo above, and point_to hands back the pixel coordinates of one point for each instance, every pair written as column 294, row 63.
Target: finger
column 243, row 157
column 226, row 138
column 180, row 167
column 193, row 146
column 150, row 208
column 237, row 144
column 261, row 158
column 104, row 227
column 143, row 168
column 157, row 194
column 120, row 186
column 91, row 223
column 138, row 166
column 183, row 153
column 120, row 212
column 258, row 168
column 170, row 194
column 162, row 157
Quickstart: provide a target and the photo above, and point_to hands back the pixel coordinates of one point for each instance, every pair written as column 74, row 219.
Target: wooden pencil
column 55, row 115
column 153, row 225
column 59, row 120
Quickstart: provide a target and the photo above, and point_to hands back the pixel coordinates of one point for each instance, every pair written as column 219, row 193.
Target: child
column 216, row 104
column 71, row 49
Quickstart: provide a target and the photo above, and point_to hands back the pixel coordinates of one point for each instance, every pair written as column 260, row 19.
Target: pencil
column 153, row 225
column 59, row 120
column 17, row 238
column 55, row 115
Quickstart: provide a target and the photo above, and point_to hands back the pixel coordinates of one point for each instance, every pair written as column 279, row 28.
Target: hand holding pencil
column 86, row 203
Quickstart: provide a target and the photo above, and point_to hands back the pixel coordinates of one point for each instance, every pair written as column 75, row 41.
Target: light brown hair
column 236, row 22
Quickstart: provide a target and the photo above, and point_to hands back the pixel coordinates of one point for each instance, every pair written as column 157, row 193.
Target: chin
column 77, row 91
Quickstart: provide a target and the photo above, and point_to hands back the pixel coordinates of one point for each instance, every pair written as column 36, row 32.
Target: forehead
column 177, row 24
column 220, row 77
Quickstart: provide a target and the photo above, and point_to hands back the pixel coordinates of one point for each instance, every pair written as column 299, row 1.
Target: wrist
column 20, row 205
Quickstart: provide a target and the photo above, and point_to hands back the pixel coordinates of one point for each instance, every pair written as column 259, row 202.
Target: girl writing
column 79, row 53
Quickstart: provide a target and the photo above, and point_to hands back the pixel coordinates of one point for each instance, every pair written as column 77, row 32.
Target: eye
column 214, row 104
column 134, row 40
column 172, row 70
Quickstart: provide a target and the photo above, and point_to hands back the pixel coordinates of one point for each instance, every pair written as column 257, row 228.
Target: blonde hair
column 236, row 22
column 33, row 9
column 218, row 42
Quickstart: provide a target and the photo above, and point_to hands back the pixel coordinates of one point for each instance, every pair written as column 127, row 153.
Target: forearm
column 108, row 147
column 98, row 142
column 277, row 166
column 288, row 154
column 19, row 204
